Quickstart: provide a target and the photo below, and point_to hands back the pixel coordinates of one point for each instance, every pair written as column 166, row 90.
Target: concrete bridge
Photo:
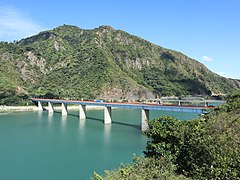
column 145, row 108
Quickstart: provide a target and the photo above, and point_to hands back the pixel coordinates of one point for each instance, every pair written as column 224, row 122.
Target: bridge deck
column 193, row 109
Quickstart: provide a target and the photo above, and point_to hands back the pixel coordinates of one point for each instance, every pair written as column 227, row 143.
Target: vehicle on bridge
column 98, row 100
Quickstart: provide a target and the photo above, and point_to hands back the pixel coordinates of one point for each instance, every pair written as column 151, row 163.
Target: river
column 37, row 145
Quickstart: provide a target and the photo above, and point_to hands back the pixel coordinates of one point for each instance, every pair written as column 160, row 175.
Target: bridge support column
column 160, row 102
column 145, row 118
column 179, row 103
column 40, row 107
column 64, row 109
column 82, row 112
column 50, row 107
column 205, row 103
column 107, row 115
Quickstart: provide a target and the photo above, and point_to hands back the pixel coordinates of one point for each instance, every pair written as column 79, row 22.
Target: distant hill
column 70, row 62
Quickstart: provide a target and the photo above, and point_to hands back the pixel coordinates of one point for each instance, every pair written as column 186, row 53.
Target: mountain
column 70, row 62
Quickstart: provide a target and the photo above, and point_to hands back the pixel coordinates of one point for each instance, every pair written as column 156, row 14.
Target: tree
column 201, row 149
column 179, row 141
column 204, row 148
column 144, row 169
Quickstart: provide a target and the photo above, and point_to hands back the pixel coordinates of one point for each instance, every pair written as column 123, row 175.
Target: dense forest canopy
column 70, row 62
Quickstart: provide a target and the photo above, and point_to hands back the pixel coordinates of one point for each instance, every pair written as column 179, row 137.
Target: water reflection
column 50, row 119
column 82, row 127
column 39, row 116
column 107, row 133
column 64, row 122
column 82, row 123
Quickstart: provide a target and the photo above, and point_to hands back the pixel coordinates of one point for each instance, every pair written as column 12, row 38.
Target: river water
column 37, row 145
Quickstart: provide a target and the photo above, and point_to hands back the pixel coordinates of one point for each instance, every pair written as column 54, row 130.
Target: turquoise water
column 37, row 145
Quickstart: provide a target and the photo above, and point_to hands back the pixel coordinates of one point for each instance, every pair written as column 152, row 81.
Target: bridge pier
column 145, row 118
column 64, row 109
column 82, row 111
column 40, row 107
column 107, row 115
column 205, row 103
column 179, row 103
column 50, row 107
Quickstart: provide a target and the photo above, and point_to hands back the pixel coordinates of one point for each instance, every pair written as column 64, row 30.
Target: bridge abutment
column 107, row 115
column 145, row 118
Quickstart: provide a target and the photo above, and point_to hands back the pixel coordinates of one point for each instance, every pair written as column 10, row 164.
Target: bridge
column 145, row 108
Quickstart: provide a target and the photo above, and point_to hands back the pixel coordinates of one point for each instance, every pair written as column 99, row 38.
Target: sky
column 205, row 30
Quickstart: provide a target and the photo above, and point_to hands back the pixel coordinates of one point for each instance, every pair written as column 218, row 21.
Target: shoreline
column 4, row 108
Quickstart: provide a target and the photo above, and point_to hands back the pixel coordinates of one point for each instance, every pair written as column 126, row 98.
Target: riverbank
column 4, row 108
column 17, row 108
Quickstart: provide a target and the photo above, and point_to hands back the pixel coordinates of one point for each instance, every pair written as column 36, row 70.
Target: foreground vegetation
column 205, row 148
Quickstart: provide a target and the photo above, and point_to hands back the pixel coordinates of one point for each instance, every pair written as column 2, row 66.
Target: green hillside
column 69, row 62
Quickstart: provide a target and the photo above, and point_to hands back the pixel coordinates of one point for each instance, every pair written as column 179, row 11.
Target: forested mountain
column 69, row 62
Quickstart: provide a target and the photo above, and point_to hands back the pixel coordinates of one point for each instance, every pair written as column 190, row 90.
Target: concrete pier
column 179, row 103
column 50, row 107
column 82, row 111
column 107, row 115
column 145, row 118
column 64, row 109
column 40, row 107
column 205, row 103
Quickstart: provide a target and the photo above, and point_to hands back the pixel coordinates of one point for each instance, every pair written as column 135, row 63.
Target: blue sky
column 205, row 30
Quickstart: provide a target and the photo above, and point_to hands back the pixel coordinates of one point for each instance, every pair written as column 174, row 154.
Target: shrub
column 143, row 168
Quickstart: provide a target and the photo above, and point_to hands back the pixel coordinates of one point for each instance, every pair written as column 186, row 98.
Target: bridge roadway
column 145, row 108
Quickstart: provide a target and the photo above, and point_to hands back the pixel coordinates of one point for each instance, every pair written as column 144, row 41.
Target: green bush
column 205, row 148
column 201, row 149
column 142, row 168
column 180, row 141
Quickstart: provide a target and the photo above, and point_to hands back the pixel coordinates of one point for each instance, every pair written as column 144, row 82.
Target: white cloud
column 206, row 58
column 15, row 24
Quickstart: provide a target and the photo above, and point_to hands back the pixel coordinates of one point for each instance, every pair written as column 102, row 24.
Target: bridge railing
column 191, row 102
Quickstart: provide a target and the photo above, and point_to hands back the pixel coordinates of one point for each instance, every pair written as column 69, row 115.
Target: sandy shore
column 35, row 108
column 18, row 108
